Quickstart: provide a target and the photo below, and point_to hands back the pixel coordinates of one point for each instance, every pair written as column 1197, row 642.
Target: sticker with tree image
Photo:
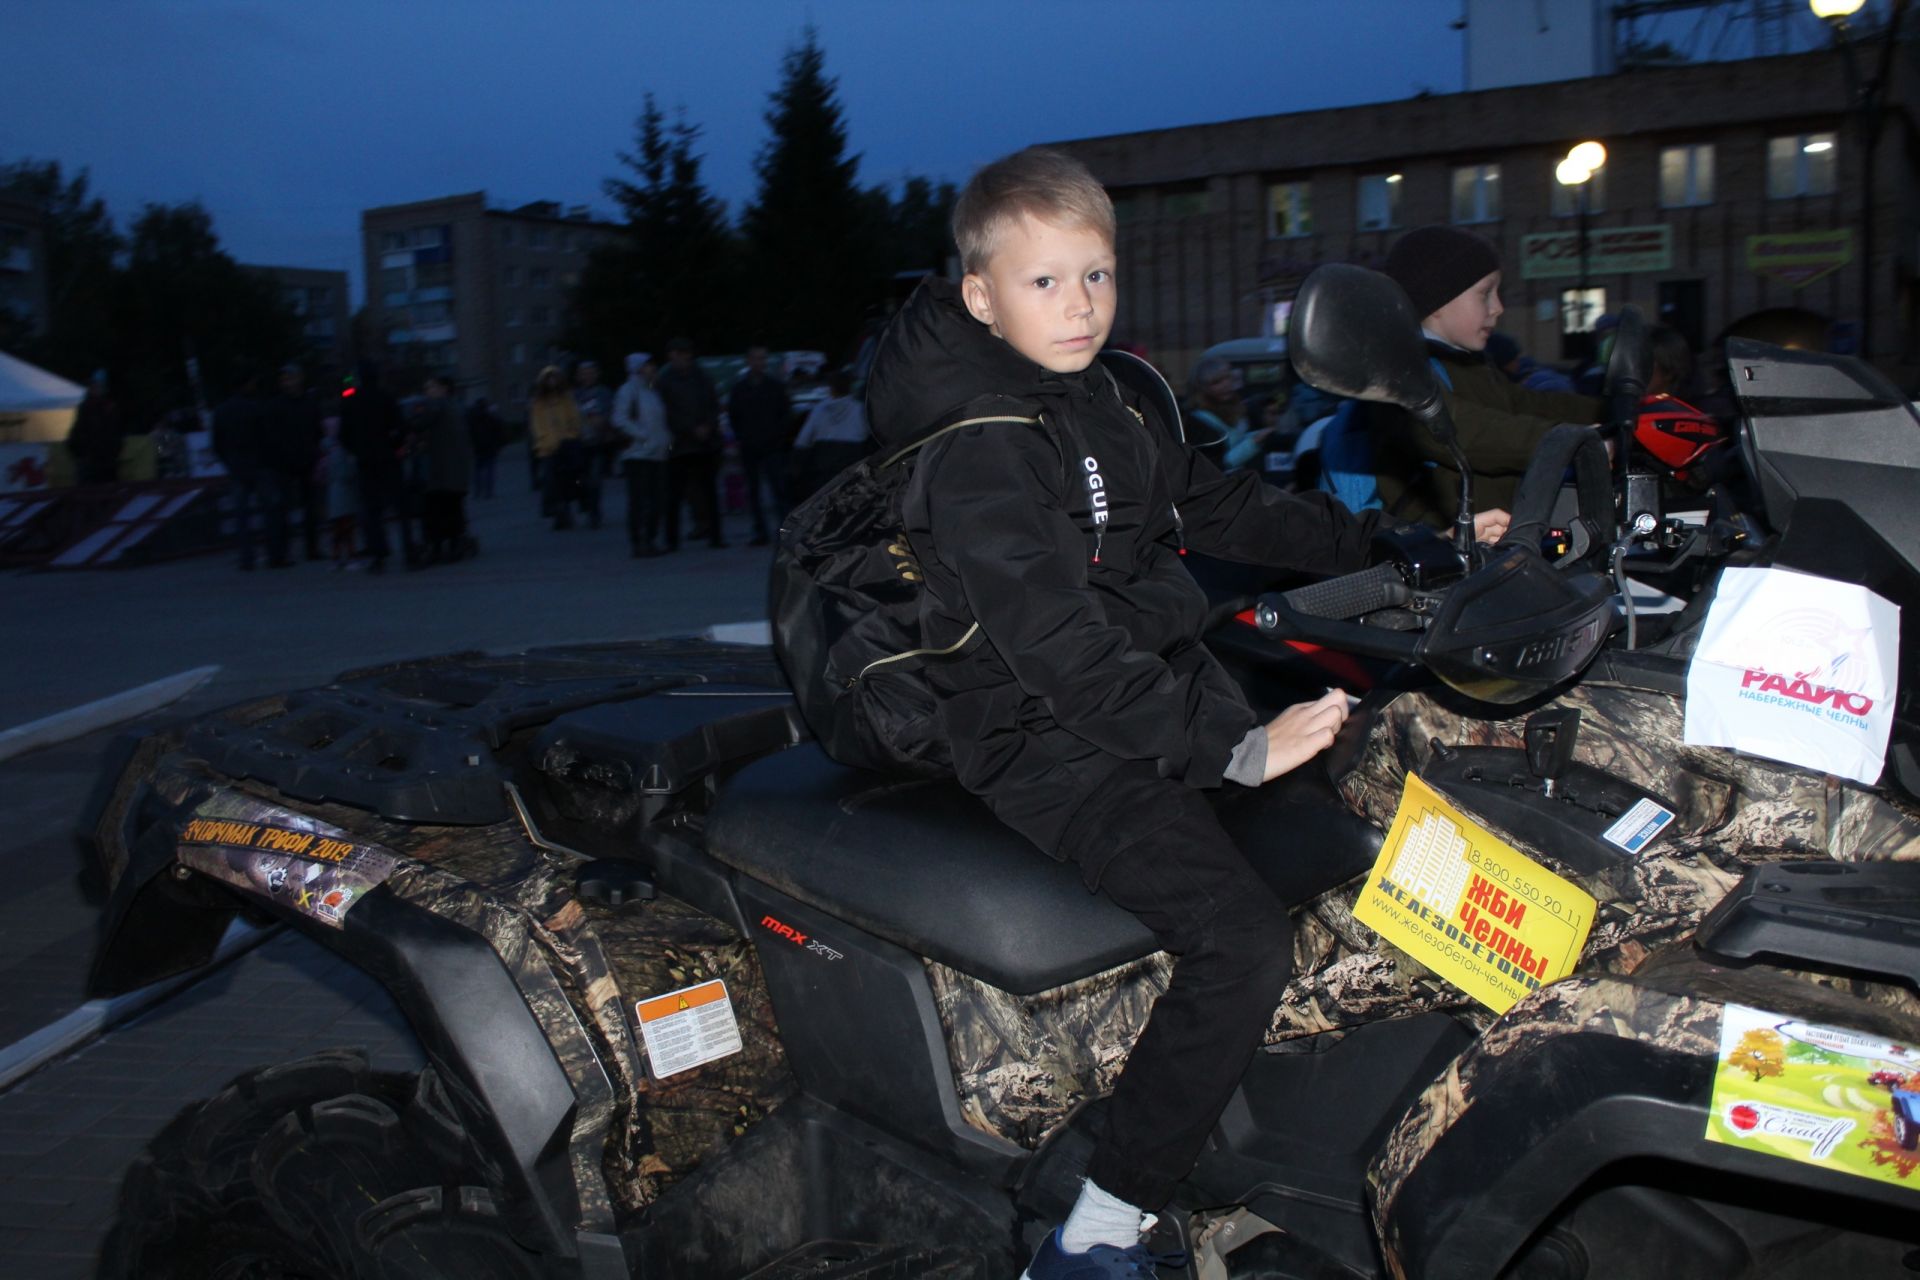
column 1826, row 1096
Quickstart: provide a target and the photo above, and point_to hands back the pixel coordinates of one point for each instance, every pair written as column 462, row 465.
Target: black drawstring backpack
column 844, row 599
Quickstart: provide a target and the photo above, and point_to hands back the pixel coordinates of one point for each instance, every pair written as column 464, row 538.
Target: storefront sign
column 1801, row 257
column 1555, row 255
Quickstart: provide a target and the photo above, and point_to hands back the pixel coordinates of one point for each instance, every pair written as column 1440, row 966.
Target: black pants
column 771, row 467
column 263, row 492
column 1156, row 848
column 310, row 499
column 569, row 481
column 693, row 479
column 444, row 520
column 646, row 497
column 381, row 497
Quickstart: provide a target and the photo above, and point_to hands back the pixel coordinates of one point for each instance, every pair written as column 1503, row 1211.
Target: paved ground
column 68, row 1131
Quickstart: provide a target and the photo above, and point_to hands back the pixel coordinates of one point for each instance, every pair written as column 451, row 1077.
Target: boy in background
column 1453, row 278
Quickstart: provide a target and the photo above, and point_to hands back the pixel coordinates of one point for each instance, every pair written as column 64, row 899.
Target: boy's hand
column 1491, row 526
column 1303, row 731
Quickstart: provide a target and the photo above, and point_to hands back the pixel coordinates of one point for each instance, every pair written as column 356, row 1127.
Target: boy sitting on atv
column 1453, row 278
column 1092, row 719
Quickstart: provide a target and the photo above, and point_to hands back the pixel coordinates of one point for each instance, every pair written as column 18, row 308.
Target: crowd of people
column 357, row 476
column 354, row 473
column 663, row 433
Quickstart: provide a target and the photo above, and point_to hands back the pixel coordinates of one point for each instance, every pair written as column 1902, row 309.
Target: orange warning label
column 688, row 1028
column 681, row 1001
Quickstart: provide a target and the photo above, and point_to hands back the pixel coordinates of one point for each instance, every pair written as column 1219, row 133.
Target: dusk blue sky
column 286, row 118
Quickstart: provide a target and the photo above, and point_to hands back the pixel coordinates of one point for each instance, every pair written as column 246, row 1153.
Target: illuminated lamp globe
column 1571, row 173
column 1588, row 155
column 1835, row 8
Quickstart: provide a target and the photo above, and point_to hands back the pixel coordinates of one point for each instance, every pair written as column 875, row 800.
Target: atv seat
column 925, row 865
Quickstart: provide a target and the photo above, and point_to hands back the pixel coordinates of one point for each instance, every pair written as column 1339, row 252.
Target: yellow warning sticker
column 688, row 1028
column 1469, row 906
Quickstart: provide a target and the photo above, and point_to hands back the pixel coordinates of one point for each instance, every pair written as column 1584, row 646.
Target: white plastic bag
column 1796, row 668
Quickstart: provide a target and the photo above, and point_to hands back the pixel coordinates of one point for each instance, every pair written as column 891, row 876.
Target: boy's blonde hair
column 1051, row 185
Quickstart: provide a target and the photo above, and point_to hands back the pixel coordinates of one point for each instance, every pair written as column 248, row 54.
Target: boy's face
column 1467, row 322
column 1048, row 290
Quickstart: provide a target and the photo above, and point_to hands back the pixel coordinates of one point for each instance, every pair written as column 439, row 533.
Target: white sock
column 1100, row 1218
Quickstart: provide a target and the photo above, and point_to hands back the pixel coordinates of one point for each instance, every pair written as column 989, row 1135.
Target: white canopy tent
column 35, row 406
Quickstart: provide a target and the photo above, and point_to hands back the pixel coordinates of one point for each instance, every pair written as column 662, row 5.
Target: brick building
column 1731, row 188
column 319, row 298
column 475, row 292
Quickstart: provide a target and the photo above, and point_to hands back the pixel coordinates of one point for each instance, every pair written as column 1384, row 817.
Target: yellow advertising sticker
column 1469, row 906
column 1827, row 1096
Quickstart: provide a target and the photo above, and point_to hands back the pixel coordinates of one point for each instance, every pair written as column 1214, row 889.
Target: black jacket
column 1499, row 424
column 1092, row 626
column 761, row 415
column 693, row 409
column 239, row 435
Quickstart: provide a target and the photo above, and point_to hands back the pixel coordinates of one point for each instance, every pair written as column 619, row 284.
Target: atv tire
column 318, row 1169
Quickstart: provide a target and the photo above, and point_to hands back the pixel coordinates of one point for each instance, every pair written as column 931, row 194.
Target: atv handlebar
column 1381, row 587
column 1320, row 614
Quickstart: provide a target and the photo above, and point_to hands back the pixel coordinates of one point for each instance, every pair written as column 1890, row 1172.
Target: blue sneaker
column 1102, row 1262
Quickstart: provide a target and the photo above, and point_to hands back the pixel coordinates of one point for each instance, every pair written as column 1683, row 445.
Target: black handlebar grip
column 1349, row 596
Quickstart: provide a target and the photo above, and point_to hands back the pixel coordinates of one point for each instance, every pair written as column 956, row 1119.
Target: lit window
column 1289, row 210
column 1476, row 193
column 1686, row 175
column 1801, row 164
column 1378, row 198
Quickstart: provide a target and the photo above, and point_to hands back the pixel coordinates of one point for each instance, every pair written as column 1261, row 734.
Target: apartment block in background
column 319, row 298
column 455, row 286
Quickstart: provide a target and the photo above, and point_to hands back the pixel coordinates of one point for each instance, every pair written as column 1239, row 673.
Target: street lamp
column 1576, row 171
column 1866, row 100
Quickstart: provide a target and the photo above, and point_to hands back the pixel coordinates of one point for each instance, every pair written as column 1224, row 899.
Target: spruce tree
column 811, row 270
column 80, row 246
column 671, row 276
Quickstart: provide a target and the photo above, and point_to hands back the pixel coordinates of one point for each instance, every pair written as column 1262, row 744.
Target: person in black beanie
column 1453, row 278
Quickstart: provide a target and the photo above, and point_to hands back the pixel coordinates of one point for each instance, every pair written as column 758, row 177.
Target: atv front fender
column 1584, row 1074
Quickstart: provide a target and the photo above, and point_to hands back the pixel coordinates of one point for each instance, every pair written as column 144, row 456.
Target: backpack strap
column 1007, row 419
column 1124, row 369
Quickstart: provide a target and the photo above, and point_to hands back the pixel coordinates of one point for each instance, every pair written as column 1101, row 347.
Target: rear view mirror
column 1353, row 333
column 1628, row 365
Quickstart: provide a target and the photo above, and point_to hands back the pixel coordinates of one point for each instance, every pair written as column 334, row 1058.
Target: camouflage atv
column 699, row 1003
